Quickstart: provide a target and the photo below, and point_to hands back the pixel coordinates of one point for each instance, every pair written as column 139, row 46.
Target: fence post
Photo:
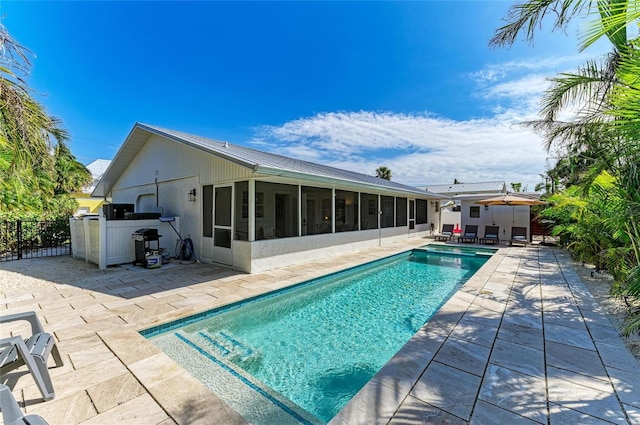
column 19, row 238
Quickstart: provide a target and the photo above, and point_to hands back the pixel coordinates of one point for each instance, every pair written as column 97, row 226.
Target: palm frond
column 586, row 89
column 527, row 17
column 615, row 16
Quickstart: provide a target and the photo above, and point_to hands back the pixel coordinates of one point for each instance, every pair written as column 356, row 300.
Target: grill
column 143, row 238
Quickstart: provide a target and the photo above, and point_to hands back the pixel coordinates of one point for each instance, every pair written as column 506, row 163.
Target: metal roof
column 260, row 162
column 459, row 188
column 97, row 169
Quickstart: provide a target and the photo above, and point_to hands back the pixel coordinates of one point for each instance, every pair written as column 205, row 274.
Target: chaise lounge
column 446, row 234
column 32, row 352
column 490, row 235
column 518, row 236
column 11, row 412
column 470, row 234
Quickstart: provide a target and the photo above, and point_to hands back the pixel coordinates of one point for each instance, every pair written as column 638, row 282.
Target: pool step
column 455, row 253
column 232, row 349
column 444, row 253
column 202, row 343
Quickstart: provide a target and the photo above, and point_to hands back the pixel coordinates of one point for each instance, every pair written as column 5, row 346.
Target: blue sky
column 412, row 86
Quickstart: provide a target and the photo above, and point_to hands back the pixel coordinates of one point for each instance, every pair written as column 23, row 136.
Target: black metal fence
column 31, row 239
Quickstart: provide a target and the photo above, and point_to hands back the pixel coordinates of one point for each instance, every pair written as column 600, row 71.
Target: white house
column 463, row 208
column 253, row 210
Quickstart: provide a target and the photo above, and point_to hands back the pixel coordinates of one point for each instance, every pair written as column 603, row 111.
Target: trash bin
column 143, row 239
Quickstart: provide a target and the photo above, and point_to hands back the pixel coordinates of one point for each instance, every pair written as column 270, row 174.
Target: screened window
column 276, row 210
column 387, row 211
column 421, row 211
column 207, row 211
column 346, row 211
column 401, row 212
column 316, row 210
column 474, row 212
column 242, row 211
column 223, row 206
column 259, row 203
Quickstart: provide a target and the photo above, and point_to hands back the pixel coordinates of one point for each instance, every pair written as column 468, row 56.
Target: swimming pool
column 300, row 354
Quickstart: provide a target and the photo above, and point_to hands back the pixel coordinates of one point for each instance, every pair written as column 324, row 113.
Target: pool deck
column 522, row 342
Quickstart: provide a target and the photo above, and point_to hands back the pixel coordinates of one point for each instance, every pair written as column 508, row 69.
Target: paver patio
column 522, row 342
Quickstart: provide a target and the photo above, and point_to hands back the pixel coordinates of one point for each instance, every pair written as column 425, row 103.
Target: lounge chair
column 470, row 234
column 518, row 236
column 446, row 234
column 490, row 235
column 32, row 352
column 11, row 412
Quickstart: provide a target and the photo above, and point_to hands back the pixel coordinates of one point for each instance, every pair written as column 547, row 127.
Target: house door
column 222, row 225
column 412, row 216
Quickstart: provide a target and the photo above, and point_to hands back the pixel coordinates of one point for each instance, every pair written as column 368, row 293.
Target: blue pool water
column 306, row 351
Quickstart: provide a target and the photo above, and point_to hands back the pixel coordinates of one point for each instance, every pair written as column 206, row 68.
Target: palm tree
column 517, row 187
column 383, row 173
column 29, row 179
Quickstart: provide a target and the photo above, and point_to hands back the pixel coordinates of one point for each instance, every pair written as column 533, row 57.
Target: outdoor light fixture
column 192, row 195
column 486, row 207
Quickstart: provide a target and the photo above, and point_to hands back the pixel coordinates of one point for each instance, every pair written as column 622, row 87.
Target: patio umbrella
column 510, row 199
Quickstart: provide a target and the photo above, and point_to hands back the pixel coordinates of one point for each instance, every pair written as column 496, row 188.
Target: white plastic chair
column 11, row 412
column 32, row 352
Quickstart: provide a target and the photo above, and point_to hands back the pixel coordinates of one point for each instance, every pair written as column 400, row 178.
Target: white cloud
column 532, row 85
column 545, row 65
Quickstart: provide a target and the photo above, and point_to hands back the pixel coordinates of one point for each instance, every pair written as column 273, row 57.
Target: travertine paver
column 516, row 392
column 487, row 413
column 463, row 355
column 523, row 342
column 518, row 357
column 111, row 393
column 447, row 388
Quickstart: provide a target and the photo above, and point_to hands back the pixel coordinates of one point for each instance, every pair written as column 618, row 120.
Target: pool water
column 308, row 350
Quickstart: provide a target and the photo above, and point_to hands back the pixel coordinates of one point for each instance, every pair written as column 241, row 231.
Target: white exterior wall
column 450, row 217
